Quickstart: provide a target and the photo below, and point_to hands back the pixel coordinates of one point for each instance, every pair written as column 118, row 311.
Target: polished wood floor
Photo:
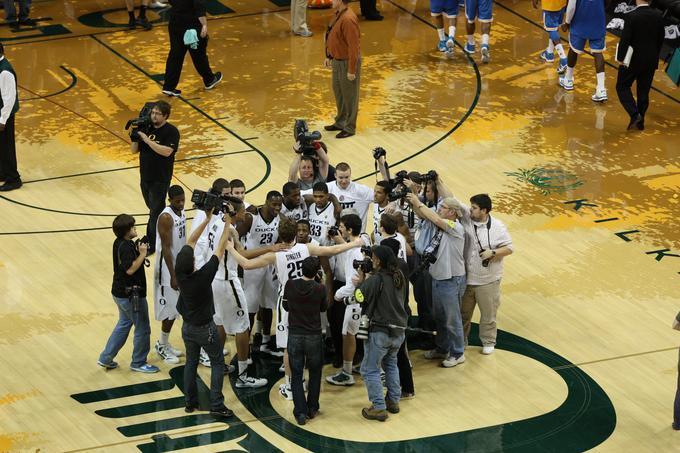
column 587, row 358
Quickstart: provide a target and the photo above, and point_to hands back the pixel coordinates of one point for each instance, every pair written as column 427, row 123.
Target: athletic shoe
column 341, row 378
column 158, row 5
column 392, row 407
column 173, row 93
column 450, row 44
column 144, row 23
column 452, row 361
column 562, row 66
column 485, row 54
column 469, row 48
column 548, row 57
column 109, row 366
column 286, row 392
column 270, row 348
column 600, row 95
column 371, row 413
column 245, row 381
column 442, row 45
column 567, row 84
column 146, row 368
column 225, row 412
column 304, row 33
column 487, row 350
column 434, row 354
column 165, row 354
column 176, row 352
column 203, row 359
column 217, row 79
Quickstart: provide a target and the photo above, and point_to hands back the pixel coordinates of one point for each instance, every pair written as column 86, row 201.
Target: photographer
column 445, row 247
column 304, row 299
column 488, row 242
column 157, row 147
column 129, row 294
column 196, row 306
column 307, row 169
column 382, row 295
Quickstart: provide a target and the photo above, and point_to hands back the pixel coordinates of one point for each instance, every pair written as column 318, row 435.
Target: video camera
column 398, row 193
column 142, row 123
column 429, row 176
column 366, row 265
column 213, row 200
column 306, row 139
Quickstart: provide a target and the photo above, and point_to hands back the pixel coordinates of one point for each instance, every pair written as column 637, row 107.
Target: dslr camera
column 212, row 200
column 306, row 139
column 427, row 260
column 399, row 193
column 333, row 231
column 142, row 123
column 429, row 176
column 485, row 263
column 366, row 265
column 379, row 152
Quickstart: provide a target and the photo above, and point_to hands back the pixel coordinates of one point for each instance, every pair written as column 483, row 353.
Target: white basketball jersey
column 179, row 239
column 228, row 268
column 289, row 264
column 261, row 233
column 297, row 213
column 377, row 213
column 319, row 222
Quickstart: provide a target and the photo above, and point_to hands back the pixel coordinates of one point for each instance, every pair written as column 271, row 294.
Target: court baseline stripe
column 536, row 24
column 608, row 359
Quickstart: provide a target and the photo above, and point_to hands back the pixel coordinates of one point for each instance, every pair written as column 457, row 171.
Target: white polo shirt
column 357, row 196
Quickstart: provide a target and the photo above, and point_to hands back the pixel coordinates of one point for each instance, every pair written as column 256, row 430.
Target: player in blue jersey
column 480, row 10
column 553, row 16
column 586, row 23
column 448, row 8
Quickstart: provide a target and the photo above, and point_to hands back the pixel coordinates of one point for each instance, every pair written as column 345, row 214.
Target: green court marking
column 44, row 30
column 124, row 391
column 142, row 408
column 547, row 180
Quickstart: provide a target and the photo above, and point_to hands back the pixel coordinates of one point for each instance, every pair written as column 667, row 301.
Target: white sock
column 471, row 39
column 165, row 336
column 452, row 31
column 242, row 367
column 485, row 40
column 551, row 46
column 569, row 75
column 560, row 51
column 287, row 381
column 347, row 366
column 266, row 338
column 440, row 32
column 600, row 81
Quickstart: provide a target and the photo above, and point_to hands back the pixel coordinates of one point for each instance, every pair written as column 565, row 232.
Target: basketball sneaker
column 450, row 44
column 567, row 84
column 452, row 361
column 146, row 368
column 341, row 378
column 600, row 95
column 469, row 48
column 165, row 354
column 109, row 366
column 203, row 359
column 442, row 46
column 485, row 54
column 488, row 350
column 562, row 66
column 286, row 392
column 174, row 351
column 245, row 381
column 548, row 57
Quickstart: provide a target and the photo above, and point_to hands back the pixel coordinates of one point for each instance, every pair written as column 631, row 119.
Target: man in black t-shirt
column 157, row 151
column 129, row 294
column 196, row 306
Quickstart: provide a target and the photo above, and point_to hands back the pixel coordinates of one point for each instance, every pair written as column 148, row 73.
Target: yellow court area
column 586, row 358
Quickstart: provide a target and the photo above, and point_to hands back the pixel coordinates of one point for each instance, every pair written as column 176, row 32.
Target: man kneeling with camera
column 383, row 325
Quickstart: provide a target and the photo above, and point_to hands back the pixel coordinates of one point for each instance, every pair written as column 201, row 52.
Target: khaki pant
column 298, row 15
column 346, row 96
column 488, row 297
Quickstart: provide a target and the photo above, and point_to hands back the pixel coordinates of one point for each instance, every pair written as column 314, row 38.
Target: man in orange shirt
column 343, row 55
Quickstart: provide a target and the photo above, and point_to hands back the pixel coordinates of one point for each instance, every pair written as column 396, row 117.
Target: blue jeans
column 126, row 319
column 206, row 337
column 446, row 298
column 381, row 348
column 11, row 12
column 305, row 349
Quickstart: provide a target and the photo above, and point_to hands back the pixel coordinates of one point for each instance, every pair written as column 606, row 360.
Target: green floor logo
column 547, row 180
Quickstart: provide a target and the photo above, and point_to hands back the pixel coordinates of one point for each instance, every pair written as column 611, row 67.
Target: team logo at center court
column 547, row 180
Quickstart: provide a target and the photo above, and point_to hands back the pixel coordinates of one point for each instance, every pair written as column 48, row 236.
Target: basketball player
column 350, row 229
column 260, row 286
column 351, row 194
column 553, row 16
column 585, row 21
column 481, row 10
column 380, row 202
column 288, row 267
column 171, row 235
column 294, row 207
column 322, row 214
column 238, row 190
column 448, row 8
column 388, row 229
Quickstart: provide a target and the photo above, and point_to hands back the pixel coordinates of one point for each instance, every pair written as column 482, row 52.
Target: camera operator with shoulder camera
column 310, row 164
column 488, row 242
column 383, row 325
column 157, row 142
column 444, row 255
column 129, row 294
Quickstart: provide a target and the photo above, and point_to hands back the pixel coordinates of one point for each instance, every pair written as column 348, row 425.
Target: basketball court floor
column 586, row 358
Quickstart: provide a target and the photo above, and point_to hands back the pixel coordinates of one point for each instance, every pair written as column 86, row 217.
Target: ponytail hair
column 388, row 262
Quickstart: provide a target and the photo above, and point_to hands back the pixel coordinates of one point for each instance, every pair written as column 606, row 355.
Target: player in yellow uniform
column 553, row 17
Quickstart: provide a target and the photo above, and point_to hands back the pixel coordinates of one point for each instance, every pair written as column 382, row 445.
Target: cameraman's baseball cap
column 184, row 265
